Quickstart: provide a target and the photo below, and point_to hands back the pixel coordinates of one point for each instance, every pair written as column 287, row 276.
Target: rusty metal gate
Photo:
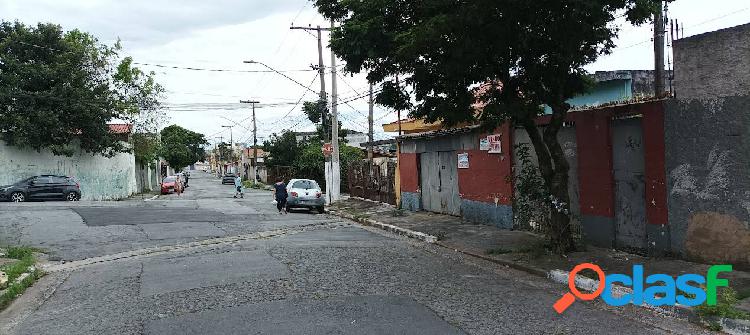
column 371, row 181
column 629, row 173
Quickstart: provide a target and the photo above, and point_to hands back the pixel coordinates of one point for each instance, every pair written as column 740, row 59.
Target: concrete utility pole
column 369, row 129
column 231, row 143
column 659, row 31
column 335, row 166
column 331, row 164
column 217, row 153
column 321, row 72
column 255, row 141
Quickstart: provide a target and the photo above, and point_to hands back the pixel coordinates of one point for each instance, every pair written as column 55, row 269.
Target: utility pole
column 331, row 177
column 217, row 153
column 255, row 141
column 321, row 72
column 335, row 166
column 398, row 87
column 369, row 129
column 231, row 145
column 659, row 31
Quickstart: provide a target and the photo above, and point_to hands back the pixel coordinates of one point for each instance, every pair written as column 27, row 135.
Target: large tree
column 58, row 90
column 181, row 147
column 510, row 56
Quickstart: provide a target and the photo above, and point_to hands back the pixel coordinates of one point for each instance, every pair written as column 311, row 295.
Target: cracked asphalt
column 206, row 263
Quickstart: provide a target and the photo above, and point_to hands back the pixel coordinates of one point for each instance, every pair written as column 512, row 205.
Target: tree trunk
column 554, row 167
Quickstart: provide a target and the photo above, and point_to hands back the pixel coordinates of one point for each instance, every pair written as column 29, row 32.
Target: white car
column 305, row 193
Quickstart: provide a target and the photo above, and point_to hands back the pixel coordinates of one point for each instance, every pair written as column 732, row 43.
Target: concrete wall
column 713, row 64
column 100, row 178
column 485, row 188
column 708, row 166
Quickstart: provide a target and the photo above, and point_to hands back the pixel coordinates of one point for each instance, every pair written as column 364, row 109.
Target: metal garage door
column 630, row 201
column 439, row 182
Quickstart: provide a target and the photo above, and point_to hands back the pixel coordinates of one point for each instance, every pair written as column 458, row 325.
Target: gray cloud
column 144, row 22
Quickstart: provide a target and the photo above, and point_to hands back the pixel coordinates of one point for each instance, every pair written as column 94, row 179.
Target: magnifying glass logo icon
column 568, row 298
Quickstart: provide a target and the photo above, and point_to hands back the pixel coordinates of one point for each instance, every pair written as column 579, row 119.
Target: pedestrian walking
column 280, row 195
column 238, row 187
column 178, row 186
column 187, row 177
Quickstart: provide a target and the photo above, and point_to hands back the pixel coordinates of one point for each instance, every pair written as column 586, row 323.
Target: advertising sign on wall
column 463, row 160
column 495, row 144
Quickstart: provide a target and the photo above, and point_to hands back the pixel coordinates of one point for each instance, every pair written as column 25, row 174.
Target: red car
column 168, row 184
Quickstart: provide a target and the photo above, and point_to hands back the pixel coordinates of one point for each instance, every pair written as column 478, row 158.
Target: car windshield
column 305, row 184
column 229, row 175
column 170, row 179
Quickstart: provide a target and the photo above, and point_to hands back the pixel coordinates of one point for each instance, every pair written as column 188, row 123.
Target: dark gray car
column 44, row 187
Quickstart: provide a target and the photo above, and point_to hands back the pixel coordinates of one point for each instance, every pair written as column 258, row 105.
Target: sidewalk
column 523, row 250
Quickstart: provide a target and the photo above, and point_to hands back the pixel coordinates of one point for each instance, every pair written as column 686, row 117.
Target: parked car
column 168, row 184
column 44, row 187
column 228, row 178
column 305, row 193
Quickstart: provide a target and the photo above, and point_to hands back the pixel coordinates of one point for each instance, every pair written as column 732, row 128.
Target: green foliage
column 307, row 158
column 511, row 56
column 725, row 306
column 145, row 147
column 531, row 196
column 20, row 252
column 181, row 147
column 59, row 89
column 226, row 154
column 16, row 289
column 282, row 149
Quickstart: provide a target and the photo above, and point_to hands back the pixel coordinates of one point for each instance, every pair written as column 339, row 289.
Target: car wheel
column 17, row 197
column 321, row 210
column 72, row 196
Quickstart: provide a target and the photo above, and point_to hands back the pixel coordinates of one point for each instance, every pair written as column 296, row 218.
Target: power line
column 191, row 68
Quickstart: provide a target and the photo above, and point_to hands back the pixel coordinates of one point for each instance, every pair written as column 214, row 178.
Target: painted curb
column 387, row 227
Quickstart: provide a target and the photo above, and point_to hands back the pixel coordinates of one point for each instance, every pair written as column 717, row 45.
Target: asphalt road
column 206, row 263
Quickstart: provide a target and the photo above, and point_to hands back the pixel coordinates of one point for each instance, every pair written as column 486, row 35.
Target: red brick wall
column 407, row 166
column 488, row 175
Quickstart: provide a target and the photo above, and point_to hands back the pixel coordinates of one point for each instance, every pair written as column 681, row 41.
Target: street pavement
column 207, row 263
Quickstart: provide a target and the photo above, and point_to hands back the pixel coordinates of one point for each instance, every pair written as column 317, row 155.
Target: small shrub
column 20, row 252
column 725, row 306
column 397, row 212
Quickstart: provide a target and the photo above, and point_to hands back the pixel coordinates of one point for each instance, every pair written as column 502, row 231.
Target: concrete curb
column 152, row 198
column 729, row 326
column 387, row 227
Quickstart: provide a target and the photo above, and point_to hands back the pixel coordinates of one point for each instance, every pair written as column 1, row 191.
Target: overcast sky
column 220, row 34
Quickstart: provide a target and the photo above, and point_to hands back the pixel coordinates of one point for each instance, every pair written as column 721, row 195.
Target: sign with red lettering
column 327, row 149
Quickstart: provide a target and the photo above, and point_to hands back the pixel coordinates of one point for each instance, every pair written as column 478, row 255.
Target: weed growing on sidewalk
column 26, row 261
column 725, row 306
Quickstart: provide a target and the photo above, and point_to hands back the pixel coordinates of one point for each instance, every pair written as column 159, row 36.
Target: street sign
column 327, row 149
